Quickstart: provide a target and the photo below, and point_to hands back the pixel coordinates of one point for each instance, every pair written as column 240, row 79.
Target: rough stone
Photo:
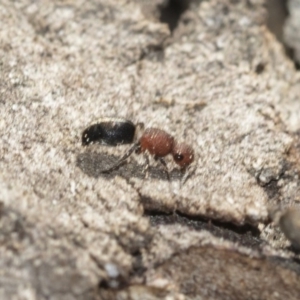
column 219, row 81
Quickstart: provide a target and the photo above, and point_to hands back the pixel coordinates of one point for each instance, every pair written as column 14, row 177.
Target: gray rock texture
column 291, row 29
column 219, row 81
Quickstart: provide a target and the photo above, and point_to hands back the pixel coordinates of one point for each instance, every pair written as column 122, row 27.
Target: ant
column 155, row 141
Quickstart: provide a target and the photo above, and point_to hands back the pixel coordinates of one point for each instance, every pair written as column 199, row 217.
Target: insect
column 109, row 131
column 154, row 141
column 159, row 144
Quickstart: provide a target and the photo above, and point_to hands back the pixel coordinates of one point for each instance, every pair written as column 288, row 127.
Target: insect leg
column 162, row 161
column 134, row 148
column 146, row 167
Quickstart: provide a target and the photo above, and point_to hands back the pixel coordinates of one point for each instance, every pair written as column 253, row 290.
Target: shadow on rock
column 93, row 164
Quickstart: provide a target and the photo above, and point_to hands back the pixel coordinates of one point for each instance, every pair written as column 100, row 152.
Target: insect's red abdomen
column 157, row 142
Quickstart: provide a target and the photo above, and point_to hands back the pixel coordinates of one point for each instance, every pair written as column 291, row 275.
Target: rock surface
column 291, row 29
column 219, row 81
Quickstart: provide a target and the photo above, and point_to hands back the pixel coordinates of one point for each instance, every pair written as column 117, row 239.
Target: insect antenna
column 187, row 173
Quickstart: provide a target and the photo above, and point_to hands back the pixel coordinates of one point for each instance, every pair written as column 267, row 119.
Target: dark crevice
column 291, row 54
column 259, row 69
column 172, row 10
column 245, row 235
column 114, row 284
column 277, row 15
column 138, row 268
column 272, row 190
column 292, row 264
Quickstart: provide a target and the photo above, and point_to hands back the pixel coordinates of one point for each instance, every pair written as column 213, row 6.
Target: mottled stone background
column 222, row 75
